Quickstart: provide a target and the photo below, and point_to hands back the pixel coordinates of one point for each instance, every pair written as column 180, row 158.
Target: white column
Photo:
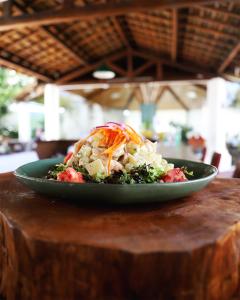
column 51, row 112
column 24, row 122
column 213, row 121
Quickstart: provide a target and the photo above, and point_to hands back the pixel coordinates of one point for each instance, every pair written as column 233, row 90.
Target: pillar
column 213, row 121
column 51, row 112
column 24, row 122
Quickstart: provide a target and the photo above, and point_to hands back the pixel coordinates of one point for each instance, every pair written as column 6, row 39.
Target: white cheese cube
column 95, row 167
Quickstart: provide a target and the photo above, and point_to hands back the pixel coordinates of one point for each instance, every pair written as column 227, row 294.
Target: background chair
column 216, row 158
column 204, row 152
column 236, row 173
column 47, row 149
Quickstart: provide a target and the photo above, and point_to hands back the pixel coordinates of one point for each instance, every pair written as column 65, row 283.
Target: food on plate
column 116, row 153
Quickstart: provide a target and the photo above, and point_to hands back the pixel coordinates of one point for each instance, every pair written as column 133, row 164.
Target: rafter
column 181, row 66
column 7, row 62
column 64, row 46
column 69, row 14
column 159, row 71
column 131, row 75
column 227, row 61
column 174, row 35
column 160, row 94
column 130, row 63
column 121, row 32
column 177, row 98
column 130, row 98
column 77, row 72
column 143, row 68
column 116, row 68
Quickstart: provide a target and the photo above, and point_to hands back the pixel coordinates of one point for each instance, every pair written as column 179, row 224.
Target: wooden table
column 183, row 250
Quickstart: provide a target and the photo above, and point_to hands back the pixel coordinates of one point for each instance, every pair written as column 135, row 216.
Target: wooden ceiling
column 141, row 40
column 185, row 96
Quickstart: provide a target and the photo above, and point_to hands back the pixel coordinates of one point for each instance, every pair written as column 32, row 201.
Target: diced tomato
column 67, row 157
column 70, row 175
column 174, row 175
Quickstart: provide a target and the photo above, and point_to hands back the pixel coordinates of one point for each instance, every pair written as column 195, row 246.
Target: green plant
column 11, row 83
column 184, row 129
column 8, row 133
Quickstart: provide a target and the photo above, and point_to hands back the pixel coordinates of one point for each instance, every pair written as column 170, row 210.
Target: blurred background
column 184, row 117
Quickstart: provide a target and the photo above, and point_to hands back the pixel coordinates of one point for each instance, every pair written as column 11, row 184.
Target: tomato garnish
column 174, row 175
column 70, row 175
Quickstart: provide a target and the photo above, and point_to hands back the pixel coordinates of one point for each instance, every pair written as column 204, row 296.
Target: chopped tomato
column 70, row 175
column 174, row 175
column 67, row 157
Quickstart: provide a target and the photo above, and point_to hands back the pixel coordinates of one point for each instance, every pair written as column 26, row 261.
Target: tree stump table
column 185, row 249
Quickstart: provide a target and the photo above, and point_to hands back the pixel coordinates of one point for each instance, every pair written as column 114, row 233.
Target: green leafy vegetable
column 141, row 174
column 53, row 172
column 186, row 172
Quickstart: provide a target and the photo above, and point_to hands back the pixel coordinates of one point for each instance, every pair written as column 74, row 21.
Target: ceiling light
column 192, row 94
column 103, row 72
column 126, row 112
column 115, row 95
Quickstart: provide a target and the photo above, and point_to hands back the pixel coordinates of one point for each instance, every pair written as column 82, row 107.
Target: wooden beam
column 227, row 61
column 64, row 46
column 159, row 71
column 160, row 94
column 181, row 66
column 116, row 68
column 143, row 68
column 120, row 31
column 145, row 92
column 130, row 99
column 202, row 87
column 21, row 68
column 79, row 71
column 130, row 63
column 87, row 12
column 174, row 35
column 177, row 98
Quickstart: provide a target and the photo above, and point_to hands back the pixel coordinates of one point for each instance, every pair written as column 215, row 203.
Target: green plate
column 32, row 175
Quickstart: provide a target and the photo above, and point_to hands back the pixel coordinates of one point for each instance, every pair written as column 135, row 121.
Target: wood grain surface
column 186, row 249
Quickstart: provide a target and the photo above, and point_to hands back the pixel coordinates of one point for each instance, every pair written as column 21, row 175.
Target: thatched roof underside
column 64, row 41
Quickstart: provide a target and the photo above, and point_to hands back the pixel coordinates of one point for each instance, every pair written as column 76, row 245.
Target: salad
column 115, row 153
